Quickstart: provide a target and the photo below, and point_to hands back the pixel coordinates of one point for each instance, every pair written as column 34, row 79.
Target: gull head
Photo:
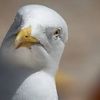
column 36, row 39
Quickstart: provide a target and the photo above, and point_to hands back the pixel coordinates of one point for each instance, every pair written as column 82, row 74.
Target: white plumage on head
column 35, row 42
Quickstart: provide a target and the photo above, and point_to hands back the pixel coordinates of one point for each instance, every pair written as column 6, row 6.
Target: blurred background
column 80, row 64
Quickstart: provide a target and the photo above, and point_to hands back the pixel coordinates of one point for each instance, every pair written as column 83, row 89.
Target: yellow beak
column 24, row 38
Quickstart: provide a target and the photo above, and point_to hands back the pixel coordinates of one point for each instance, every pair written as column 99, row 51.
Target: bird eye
column 57, row 34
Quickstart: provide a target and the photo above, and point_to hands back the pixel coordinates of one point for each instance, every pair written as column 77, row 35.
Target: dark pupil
column 57, row 32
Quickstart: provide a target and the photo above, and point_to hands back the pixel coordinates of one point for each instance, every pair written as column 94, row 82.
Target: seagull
column 30, row 54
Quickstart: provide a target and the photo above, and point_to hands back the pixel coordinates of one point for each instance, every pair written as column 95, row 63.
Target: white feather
column 35, row 80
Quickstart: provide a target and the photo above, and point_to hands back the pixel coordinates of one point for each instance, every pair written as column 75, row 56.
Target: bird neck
column 38, row 86
column 26, row 81
column 51, row 71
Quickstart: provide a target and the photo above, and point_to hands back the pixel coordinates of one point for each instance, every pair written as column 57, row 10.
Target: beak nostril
column 26, row 36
